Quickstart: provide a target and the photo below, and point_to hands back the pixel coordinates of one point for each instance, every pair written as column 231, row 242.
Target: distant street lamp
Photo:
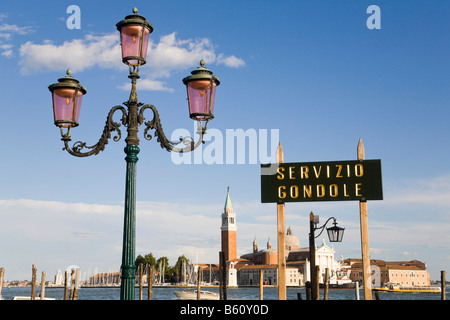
column 67, row 96
column 335, row 234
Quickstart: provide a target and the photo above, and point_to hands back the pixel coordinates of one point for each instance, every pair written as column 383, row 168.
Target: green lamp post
column 67, row 96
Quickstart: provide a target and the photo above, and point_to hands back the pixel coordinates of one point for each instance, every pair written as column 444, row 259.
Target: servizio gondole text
column 321, row 181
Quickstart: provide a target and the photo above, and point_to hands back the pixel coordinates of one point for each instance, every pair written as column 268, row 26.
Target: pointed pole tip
column 279, row 154
column 360, row 150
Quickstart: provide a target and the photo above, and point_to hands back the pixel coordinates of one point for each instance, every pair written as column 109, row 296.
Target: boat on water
column 395, row 287
column 192, row 295
column 29, row 298
column 340, row 280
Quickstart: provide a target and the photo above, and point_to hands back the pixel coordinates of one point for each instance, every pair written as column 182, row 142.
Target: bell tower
column 228, row 229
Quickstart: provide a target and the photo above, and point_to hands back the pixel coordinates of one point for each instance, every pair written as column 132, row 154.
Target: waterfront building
column 105, row 279
column 250, row 275
column 406, row 273
column 58, row 278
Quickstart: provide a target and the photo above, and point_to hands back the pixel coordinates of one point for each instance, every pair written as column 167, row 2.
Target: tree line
column 171, row 273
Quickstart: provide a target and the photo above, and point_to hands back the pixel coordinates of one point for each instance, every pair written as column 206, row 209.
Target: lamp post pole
column 312, row 258
column 129, row 225
column 67, row 95
column 335, row 234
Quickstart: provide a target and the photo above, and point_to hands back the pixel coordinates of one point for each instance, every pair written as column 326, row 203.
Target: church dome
column 291, row 242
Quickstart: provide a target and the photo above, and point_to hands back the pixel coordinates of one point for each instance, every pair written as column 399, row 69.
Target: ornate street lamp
column 335, row 234
column 201, row 90
column 67, row 95
column 134, row 31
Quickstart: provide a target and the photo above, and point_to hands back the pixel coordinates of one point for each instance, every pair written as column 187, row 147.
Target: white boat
column 29, row 298
column 192, row 295
column 339, row 280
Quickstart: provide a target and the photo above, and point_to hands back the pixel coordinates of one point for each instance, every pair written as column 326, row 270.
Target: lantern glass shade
column 66, row 106
column 201, row 96
column 134, row 39
column 335, row 233
column 201, row 91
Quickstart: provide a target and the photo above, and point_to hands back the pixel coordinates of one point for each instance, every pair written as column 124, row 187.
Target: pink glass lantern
column 201, row 91
column 134, row 32
column 67, row 95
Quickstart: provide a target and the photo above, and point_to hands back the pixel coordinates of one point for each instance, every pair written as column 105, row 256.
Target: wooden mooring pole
column 66, row 285
column 2, row 274
column 141, row 272
column 443, row 285
column 325, row 281
column 222, row 276
column 281, row 242
column 261, row 283
column 364, row 236
column 150, row 282
column 199, row 278
column 43, row 285
column 72, row 285
column 33, row 282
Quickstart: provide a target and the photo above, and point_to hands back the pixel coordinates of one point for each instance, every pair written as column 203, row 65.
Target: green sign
column 321, row 181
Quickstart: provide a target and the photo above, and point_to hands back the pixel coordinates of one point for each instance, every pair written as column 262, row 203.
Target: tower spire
column 228, row 205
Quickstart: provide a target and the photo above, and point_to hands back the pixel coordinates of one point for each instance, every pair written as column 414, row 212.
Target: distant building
column 58, row 278
column 268, row 256
column 405, row 273
column 250, row 275
column 324, row 259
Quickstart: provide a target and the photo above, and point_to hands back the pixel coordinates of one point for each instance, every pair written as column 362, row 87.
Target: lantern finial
column 69, row 72
column 135, row 10
column 202, row 63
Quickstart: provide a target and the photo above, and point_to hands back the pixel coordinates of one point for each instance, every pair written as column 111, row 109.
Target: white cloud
column 168, row 55
column 6, row 32
column 7, row 50
column 147, row 84
column 171, row 54
column 12, row 28
column 434, row 192
column 230, row 61
column 78, row 54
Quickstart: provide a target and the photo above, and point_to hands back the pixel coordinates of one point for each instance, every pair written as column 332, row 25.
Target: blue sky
column 310, row 70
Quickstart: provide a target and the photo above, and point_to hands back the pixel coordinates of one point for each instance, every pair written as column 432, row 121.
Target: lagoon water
column 166, row 293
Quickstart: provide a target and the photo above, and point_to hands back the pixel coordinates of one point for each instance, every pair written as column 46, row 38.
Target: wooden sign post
column 280, row 241
column 349, row 180
column 364, row 236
